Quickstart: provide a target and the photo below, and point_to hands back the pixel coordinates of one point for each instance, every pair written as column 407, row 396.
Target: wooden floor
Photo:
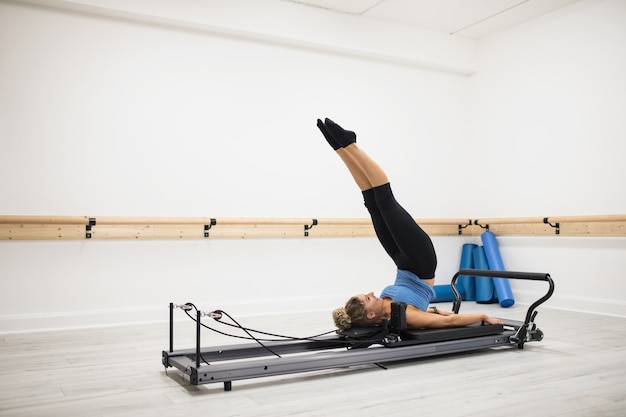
column 579, row 369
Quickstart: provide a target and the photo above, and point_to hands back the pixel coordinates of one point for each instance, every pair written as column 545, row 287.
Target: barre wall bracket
column 207, row 227
column 88, row 226
column 463, row 226
column 486, row 226
column 556, row 226
column 307, row 227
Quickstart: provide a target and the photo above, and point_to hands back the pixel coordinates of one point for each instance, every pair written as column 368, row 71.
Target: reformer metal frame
column 250, row 360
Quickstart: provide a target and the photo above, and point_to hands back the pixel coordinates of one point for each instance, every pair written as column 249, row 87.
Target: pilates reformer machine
column 388, row 342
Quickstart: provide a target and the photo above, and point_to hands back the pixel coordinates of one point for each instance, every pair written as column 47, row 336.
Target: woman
column 404, row 241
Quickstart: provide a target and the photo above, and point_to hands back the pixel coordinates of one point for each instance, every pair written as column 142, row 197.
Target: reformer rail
column 118, row 227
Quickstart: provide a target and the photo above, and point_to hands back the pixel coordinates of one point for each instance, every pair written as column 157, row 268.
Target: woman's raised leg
column 366, row 172
column 401, row 237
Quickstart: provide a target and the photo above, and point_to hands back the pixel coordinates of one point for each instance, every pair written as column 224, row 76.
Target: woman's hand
column 444, row 312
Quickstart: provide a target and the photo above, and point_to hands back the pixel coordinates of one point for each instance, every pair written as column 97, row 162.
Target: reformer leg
column 171, row 327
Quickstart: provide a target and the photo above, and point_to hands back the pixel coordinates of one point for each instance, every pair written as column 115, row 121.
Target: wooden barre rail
column 76, row 220
column 598, row 225
column 554, row 219
column 119, row 227
column 112, row 220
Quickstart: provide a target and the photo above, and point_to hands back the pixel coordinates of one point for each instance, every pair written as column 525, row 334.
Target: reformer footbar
column 356, row 346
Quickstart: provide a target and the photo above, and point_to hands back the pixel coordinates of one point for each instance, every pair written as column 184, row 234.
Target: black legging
column 405, row 242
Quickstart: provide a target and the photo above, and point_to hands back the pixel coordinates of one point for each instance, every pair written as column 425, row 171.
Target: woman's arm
column 418, row 319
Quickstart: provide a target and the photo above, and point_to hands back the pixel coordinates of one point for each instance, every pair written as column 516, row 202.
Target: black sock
column 342, row 137
column 331, row 141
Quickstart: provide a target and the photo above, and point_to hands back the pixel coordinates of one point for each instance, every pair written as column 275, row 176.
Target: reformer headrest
column 365, row 336
column 360, row 332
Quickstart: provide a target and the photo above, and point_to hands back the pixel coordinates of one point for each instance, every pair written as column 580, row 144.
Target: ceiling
column 473, row 19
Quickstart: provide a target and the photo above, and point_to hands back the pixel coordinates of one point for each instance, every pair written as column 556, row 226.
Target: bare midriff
column 430, row 281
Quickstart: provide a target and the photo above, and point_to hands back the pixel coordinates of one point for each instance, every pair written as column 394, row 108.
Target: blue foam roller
column 502, row 286
column 444, row 293
column 464, row 282
column 484, row 285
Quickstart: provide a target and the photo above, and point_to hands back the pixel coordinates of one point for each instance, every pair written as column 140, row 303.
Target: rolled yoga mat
column 501, row 285
column 485, row 293
column 444, row 293
column 467, row 284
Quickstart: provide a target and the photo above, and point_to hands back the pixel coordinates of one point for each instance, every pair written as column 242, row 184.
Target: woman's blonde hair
column 353, row 314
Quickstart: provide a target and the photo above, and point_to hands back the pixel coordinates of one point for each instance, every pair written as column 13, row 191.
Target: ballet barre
column 16, row 227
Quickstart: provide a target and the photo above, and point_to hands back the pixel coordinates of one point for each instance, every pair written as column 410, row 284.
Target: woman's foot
column 340, row 135
column 331, row 141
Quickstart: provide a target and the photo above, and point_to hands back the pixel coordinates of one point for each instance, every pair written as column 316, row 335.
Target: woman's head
column 359, row 311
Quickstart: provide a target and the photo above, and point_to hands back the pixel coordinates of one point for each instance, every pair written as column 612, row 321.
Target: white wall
column 109, row 116
column 116, row 117
column 547, row 110
column 129, row 115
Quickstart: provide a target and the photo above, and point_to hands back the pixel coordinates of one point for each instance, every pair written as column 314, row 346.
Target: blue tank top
column 409, row 289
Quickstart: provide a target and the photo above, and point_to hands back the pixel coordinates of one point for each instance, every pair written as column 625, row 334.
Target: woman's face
column 372, row 304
